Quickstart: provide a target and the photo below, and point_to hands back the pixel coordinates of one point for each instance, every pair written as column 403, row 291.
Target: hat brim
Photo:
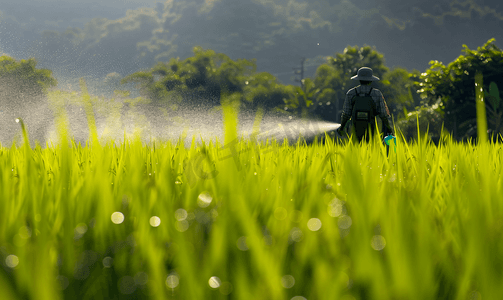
column 373, row 78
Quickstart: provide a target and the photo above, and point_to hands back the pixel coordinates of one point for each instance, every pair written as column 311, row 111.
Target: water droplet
column 117, row 217
column 287, row 281
column 172, row 281
column 314, row 224
column 241, row 243
column 214, row 282
column 181, row 214
column 17, row 120
column 12, row 261
column 204, row 199
column 378, row 242
column 155, row 221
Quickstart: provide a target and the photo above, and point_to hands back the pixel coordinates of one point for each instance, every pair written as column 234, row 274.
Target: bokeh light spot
column 204, row 199
column 25, row 232
column 287, row 281
column 126, row 285
column 241, row 243
column 344, row 222
column 474, row 295
column 314, row 224
column 298, row 298
column 172, row 281
column 12, row 261
column 378, row 242
column 155, row 221
column 181, row 214
column 117, row 217
column 335, row 208
column 226, row 288
column 141, row 278
column 182, row 226
column 296, row 234
column 280, row 213
column 214, row 282
column 107, row 262
column 81, row 228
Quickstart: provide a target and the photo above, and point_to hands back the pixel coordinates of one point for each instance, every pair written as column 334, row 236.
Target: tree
column 400, row 93
column 454, row 85
column 430, row 121
column 495, row 110
column 264, row 90
column 23, row 78
column 205, row 76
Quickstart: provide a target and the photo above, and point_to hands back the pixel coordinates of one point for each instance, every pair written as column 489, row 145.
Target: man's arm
column 346, row 110
column 385, row 116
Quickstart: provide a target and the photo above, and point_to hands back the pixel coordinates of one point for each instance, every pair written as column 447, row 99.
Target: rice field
column 243, row 220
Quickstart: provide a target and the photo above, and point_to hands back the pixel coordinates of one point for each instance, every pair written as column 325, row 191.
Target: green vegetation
column 441, row 97
column 333, row 80
column 22, row 78
column 452, row 87
column 439, row 94
column 247, row 220
column 22, row 90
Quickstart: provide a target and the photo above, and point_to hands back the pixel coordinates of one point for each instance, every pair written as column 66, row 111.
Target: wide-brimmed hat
column 365, row 74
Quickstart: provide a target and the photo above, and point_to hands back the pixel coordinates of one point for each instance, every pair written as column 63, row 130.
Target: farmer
column 362, row 104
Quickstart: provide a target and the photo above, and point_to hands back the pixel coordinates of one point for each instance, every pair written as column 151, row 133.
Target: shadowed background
column 93, row 38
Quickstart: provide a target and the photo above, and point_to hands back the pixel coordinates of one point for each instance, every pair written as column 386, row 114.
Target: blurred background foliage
column 442, row 95
column 453, row 85
column 96, row 38
column 23, row 87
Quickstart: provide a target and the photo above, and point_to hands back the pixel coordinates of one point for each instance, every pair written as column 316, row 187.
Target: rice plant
column 248, row 220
